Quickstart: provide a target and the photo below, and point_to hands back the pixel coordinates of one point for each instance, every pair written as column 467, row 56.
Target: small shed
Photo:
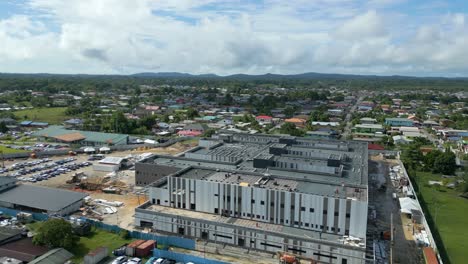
column 54, row 256
column 96, row 255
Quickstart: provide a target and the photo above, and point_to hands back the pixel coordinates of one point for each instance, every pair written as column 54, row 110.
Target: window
column 272, row 204
column 344, row 261
column 333, row 229
column 158, row 201
column 258, row 216
column 216, row 195
column 287, row 221
column 154, row 201
column 324, row 211
column 192, row 206
column 303, row 209
column 336, row 213
column 216, row 210
column 282, row 221
column 253, row 201
column 311, row 210
column 282, row 205
column 348, row 215
column 248, row 215
column 296, row 222
column 262, row 202
column 292, row 207
column 321, row 226
column 306, row 224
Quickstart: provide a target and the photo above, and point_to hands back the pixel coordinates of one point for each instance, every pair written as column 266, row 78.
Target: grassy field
column 449, row 213
column 6, row 150
column 51, row 115
column 97, row 239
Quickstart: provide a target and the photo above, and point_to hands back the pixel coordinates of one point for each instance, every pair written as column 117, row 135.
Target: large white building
column 272, row 193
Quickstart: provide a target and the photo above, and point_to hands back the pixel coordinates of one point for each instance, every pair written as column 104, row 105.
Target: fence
column 433, row 234
column 13, row 212
column 180, row 257
column 161, row 240
column 58, row 152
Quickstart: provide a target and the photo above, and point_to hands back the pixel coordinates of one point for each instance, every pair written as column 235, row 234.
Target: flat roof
column 4, row 180
column 43, row 198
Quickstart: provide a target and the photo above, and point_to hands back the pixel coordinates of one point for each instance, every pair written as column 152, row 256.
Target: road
column 347, row 120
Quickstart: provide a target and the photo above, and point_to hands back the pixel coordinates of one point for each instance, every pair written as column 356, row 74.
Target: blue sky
column 384, row 37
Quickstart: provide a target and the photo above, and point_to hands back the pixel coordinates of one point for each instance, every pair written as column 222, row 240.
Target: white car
column 158, row 261
column 134, row 261
column 119, row 260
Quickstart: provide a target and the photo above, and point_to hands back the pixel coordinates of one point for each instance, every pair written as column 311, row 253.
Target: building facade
column 263, row 192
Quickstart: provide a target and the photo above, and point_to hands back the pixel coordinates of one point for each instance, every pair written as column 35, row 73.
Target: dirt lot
column 124, row 180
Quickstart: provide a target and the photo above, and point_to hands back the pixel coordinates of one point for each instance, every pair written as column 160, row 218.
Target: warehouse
column 271, row 193
column 36, row 199
column 111, row 164
column 81, row 137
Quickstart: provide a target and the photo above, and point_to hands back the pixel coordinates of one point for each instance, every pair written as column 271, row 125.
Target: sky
column 382, row 37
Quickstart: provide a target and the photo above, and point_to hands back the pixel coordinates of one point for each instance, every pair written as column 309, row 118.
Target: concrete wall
column 225, row 233
column 308, row 211
column 146, row 173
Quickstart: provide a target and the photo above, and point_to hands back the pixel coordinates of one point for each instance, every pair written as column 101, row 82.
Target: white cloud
column 225, row 37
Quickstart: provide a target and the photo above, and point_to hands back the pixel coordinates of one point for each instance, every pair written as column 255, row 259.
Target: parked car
column 134, row 261
column 119, row 260
column 158, row 261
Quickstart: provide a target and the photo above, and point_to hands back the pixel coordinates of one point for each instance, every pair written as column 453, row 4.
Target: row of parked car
column 125, row 260
column 26, row 164
column 54, row 171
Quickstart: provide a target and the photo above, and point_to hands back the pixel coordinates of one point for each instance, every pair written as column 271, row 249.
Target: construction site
column 112, row 195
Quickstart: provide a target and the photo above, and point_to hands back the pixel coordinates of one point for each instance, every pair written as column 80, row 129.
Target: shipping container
column 130, row 251
column 144, row 249
column 96, row 255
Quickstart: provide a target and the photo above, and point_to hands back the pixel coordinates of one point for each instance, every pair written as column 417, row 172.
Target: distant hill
column 271, row 76
column 240, row 77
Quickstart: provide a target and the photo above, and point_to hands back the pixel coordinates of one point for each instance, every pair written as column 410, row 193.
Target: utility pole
column 391, row 238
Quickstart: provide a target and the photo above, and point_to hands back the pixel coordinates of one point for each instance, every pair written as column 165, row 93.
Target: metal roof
column 111, row 160
column 43, row 198
column 6, row 180
column 54, row 256
column 90, row 136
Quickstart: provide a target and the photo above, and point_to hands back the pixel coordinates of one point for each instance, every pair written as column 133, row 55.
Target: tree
column 191, row 113
column 445, row 163
column 3, row 127
column 289, row 111
column 55, row 233
column 291, row 129
column 208, row 133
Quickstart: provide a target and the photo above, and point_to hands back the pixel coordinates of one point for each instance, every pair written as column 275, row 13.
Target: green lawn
column 6, row 150
column 51, row 115
column 450, row 214
column 99, row 238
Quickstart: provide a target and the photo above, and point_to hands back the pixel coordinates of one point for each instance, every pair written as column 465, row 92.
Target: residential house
column 264, row 119
column 398, row 122
column 368, row 120
column 193, row 130
column 299, row 122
